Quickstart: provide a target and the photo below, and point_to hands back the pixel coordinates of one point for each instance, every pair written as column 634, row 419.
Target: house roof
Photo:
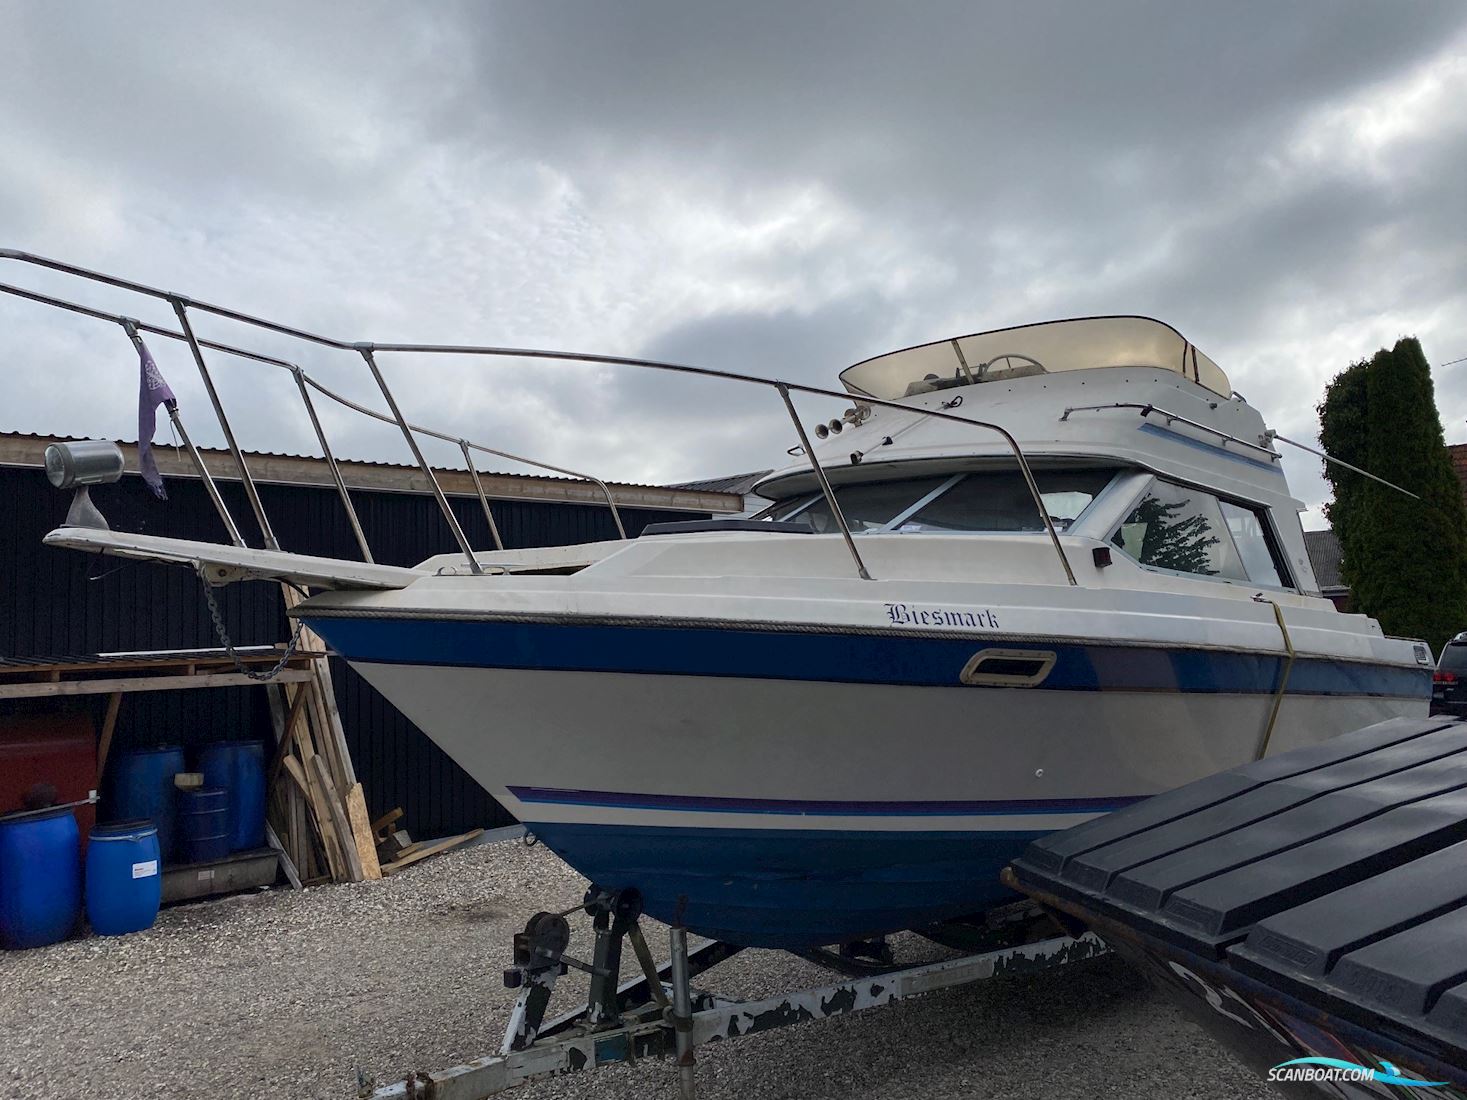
column 28, row 449
column 733, row 483
column 1457, row 452
column 1324, row 557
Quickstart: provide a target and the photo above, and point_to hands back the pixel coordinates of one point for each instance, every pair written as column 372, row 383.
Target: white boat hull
column 790, row 812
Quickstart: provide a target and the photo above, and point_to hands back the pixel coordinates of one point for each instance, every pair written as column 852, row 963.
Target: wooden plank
column 333, row 720
column 379, row 827
column 326, row 743
column 330, row 737
column 69, row 669
column 431, row 850
column 144, row 662
column 337, row 819
column 144, row 683
column 286, row 733
column 361, row 831
column 286, row 863
column 320, row 817
column 284, row 799
column 393, row 845
column 309, row 857
column 109, row 724
column 304, row 742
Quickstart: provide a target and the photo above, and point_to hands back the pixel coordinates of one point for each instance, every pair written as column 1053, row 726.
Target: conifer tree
column 1405, row 560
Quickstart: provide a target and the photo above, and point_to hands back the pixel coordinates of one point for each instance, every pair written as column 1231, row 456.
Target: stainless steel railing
column 182, row 305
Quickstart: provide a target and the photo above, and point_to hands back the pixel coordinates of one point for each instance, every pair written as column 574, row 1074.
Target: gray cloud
column 774, row 188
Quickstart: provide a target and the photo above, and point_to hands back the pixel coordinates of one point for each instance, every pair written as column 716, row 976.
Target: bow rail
column 182, row 305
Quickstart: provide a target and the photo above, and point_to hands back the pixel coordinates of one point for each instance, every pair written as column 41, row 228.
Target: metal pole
column 407, row 434
column 1341, row 462
column 179, row 308
column 963, row 361
column 351, row 512
column 682, row 1014
column 484, row 500
column 230, row 527
column 615, row 515
column 835, row 511
column 1039, row 503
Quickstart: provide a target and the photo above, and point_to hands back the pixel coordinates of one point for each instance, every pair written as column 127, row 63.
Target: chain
column 223, row 634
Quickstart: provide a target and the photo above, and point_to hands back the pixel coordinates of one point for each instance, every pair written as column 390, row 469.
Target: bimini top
column 1047, row 348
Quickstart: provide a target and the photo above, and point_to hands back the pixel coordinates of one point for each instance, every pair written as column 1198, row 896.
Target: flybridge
column 1054, row 347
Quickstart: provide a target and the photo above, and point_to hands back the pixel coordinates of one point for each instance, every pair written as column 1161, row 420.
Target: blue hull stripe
column 841, row 658
column 698, row 804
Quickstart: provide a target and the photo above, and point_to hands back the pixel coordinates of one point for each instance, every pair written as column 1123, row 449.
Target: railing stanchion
column 615, row 515
column 1038, row 502
column 365, row 350
column 351, row 512
column 180, row 308
column 479, row 488
column 230, row 527
column 825, row 488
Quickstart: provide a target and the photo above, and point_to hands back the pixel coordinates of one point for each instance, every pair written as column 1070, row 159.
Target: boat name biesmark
column 902, row 615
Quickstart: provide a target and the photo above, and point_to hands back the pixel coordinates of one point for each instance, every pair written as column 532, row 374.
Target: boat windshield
column 983, row 500
column 1050, row 348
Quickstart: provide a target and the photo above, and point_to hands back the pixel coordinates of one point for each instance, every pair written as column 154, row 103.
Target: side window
column 1174, row 527
column 1255, row 546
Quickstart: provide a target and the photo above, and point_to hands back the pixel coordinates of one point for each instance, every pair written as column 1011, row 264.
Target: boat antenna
column 1340, row 462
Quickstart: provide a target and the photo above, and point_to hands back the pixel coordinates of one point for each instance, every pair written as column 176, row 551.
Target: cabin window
column 999, row 500
column 984, row 500
column 1254, row 542
column 1188, row 530
column 786, row 509
column 868, row 506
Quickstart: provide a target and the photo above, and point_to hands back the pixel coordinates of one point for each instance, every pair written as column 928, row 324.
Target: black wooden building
column 62, row 603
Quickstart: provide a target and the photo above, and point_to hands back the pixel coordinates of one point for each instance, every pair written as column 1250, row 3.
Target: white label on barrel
column 146, row 869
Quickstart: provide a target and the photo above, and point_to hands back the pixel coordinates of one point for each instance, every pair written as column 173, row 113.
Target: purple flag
column 152, row 392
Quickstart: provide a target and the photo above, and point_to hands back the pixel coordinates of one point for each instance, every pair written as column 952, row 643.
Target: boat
column 775, row 750
column 1027, row 577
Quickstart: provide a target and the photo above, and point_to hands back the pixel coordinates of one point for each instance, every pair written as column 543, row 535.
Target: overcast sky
column 770, row 187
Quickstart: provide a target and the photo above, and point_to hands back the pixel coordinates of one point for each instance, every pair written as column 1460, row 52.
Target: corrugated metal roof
column 733, row 483
column 44, row 438
column 27, row 449
column 1324, row 556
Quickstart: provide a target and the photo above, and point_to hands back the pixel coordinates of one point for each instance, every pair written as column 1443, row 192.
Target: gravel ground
column 290, row 994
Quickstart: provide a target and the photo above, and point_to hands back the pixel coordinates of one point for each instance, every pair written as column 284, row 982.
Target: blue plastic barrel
column 140, row 788
column 203, row 824
column 124, row 882
column 40, row 877
column 239, row 767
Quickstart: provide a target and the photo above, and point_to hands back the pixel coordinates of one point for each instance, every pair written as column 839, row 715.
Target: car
column 1449, row 681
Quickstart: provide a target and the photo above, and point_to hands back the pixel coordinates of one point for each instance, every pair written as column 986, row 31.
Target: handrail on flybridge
column 182, row 304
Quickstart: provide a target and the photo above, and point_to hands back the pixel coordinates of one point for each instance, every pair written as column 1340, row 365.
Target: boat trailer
column 661, row 1014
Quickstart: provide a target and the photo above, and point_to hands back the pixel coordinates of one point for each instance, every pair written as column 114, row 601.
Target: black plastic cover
column 1336, row 873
